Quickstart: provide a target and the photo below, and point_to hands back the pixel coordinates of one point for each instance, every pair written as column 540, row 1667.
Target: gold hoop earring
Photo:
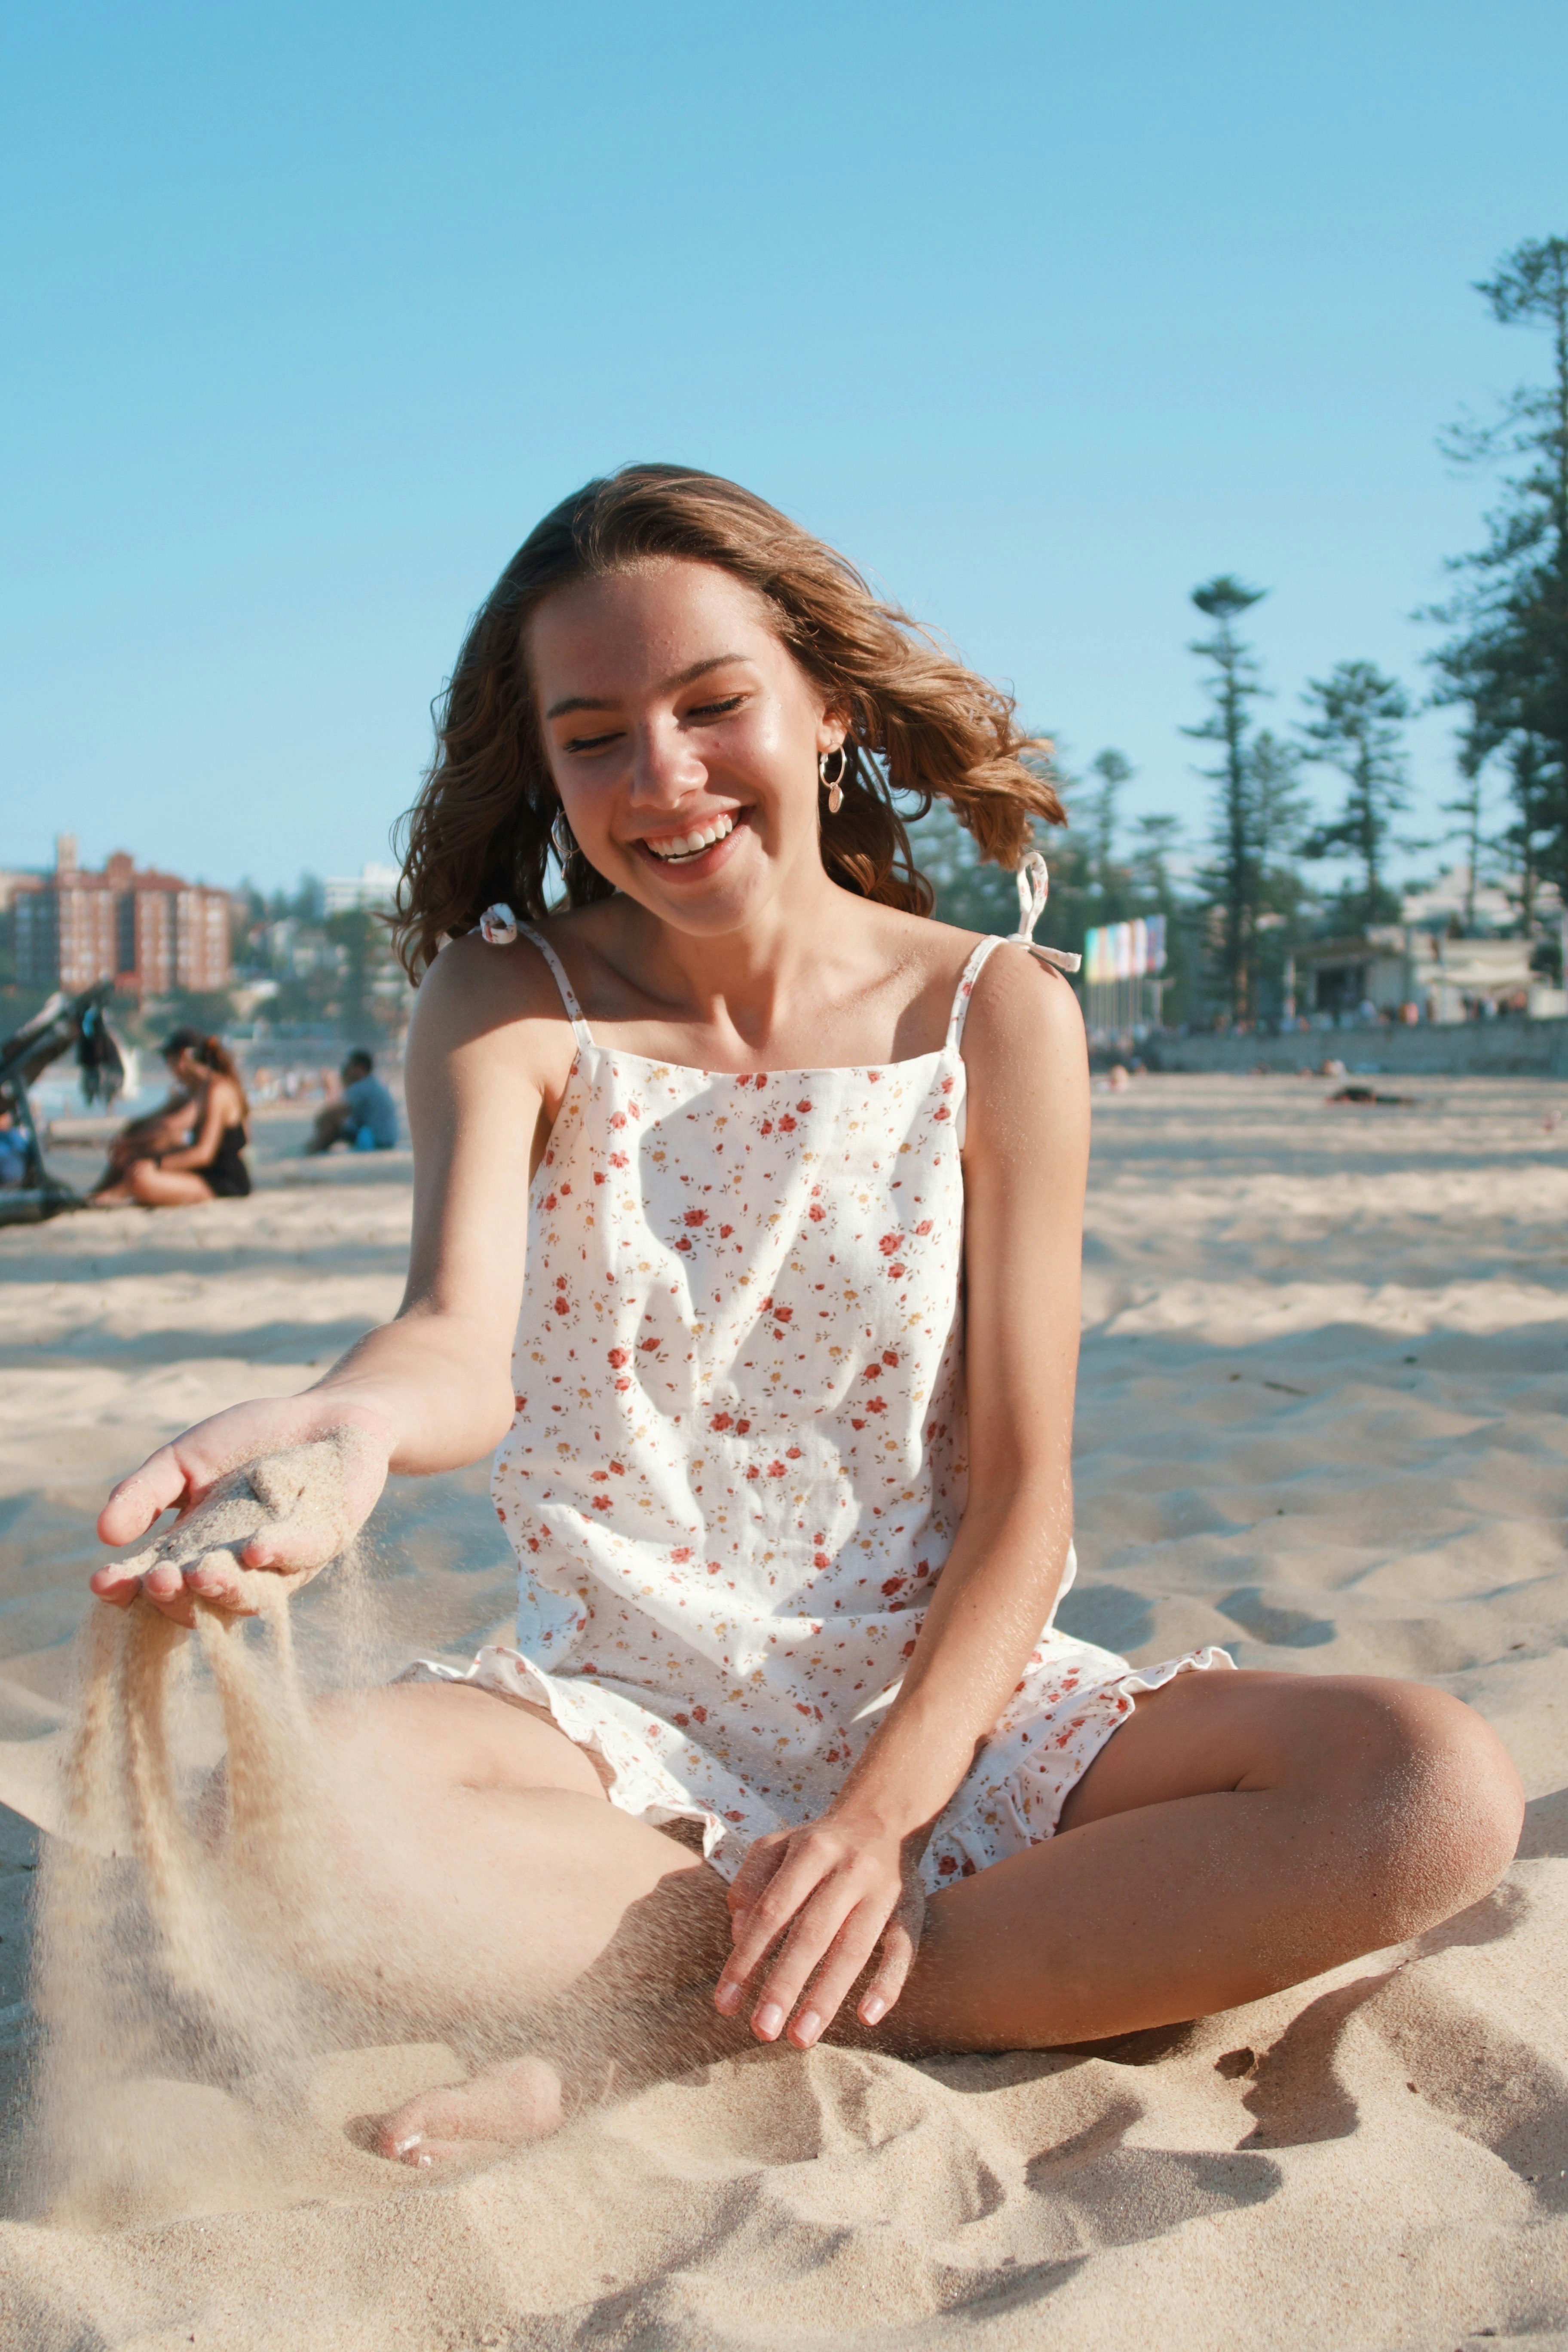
column 833, row 783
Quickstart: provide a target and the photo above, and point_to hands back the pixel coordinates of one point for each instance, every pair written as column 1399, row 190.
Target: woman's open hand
column 282, row 1485
column 808, row 1910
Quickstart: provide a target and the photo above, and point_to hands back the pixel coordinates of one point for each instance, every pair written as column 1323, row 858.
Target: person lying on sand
column 780, row 1359
column 193, row 1149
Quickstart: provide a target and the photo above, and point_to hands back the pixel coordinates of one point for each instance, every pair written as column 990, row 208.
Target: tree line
column 1253, row 894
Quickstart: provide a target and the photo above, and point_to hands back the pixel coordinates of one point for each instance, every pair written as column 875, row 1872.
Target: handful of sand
column 301, row 1496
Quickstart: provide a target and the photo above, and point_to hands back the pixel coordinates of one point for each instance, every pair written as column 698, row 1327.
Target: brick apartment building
column 148, row 931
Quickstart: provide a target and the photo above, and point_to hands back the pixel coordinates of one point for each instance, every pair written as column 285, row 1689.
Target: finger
column 119, row 1591
column 753, row 1936
column 120, row 1581
column 757, row 1872
column 215, row 1580
column 810, row 1939
column 897, row 1958
column 162, row 1580
column 300, row 1541
column 847, row 1956
column 142, row 1498
column 791, row 1887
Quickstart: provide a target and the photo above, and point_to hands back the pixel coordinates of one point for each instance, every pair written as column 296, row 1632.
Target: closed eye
column 585, row 745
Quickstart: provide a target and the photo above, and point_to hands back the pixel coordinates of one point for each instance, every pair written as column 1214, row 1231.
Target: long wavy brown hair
column 488, row 820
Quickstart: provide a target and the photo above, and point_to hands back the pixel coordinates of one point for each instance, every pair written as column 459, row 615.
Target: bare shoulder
column 922, row 961
column 1024, row 1042
column 496, row 1000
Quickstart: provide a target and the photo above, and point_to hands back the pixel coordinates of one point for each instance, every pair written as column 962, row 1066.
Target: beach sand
column 1320, row 1420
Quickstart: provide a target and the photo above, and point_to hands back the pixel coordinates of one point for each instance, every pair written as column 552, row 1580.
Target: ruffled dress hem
column 1010, row 1799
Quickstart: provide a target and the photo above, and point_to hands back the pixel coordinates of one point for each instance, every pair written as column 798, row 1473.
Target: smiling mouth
column 685, row 849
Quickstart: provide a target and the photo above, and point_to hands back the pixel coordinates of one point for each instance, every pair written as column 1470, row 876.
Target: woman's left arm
column 824, row 1896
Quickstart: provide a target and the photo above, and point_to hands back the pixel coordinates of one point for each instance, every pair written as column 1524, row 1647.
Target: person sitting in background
column 15, row 1151
column 206, row 1128
column 365, row 1119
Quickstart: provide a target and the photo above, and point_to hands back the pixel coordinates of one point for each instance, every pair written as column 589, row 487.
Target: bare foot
column 525, row 2099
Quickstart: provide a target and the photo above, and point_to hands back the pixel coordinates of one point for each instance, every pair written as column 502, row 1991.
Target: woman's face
column 683, row 739
column 184, row 1068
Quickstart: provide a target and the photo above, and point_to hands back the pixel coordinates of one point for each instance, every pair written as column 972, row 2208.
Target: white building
column 373, row 885
column 1448, row 959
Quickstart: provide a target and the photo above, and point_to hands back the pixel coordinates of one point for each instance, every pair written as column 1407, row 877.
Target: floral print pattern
column 738, row 1458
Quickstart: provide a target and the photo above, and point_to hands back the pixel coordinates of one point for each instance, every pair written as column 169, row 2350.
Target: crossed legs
column 1240, row 1832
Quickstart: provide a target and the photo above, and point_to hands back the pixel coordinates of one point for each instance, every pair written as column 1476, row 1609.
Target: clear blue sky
column 1042, row 313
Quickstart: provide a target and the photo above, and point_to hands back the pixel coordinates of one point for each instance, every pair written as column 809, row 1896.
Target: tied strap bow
column 1034, row 889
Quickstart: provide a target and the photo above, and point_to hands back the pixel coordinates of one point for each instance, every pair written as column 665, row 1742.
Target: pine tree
column 1527, row 839
column 1469, row 807
column 1157, row 839
column 1509, row 660
column 1234, row 875
column 1279, row 812
column 1357, row 730
column 1110, row 773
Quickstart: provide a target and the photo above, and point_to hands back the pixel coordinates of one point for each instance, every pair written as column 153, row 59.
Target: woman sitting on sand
column 780, row 1354
column 193, row 1148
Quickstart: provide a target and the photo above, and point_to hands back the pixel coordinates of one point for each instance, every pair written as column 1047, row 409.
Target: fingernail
column 873, row 2009
column 402, row 2147
column 727, row 1999
column 769, row 2019
column 807, row 2026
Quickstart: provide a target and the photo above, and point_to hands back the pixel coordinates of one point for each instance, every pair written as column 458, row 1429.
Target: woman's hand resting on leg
column 822, row 1900
column 283, row 1484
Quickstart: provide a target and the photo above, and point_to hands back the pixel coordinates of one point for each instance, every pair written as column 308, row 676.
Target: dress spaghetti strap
column 960, row 1013
column 580, row 1029
column 1034, row 887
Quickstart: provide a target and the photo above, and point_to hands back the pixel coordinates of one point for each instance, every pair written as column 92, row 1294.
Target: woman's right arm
column 431, row 1389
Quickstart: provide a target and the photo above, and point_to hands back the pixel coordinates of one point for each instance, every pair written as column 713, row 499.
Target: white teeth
column 692, row 845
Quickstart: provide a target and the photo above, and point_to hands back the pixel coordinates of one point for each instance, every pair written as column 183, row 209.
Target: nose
column 666, row 767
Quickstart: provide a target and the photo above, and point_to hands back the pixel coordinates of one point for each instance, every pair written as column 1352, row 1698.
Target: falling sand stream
column 206, row 1931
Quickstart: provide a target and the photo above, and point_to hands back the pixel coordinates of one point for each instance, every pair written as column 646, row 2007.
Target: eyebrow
column 670, row 686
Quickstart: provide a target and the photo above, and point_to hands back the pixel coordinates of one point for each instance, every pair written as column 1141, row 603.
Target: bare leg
column 517, row 1910
column 153, row 1187
column 331, row 1126
column 1239, row 1834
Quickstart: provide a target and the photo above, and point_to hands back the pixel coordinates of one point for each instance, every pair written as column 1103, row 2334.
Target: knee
column 141, row 1171
column 1442, row 1802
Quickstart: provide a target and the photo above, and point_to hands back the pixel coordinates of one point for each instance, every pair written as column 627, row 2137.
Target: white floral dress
column 737, row 1464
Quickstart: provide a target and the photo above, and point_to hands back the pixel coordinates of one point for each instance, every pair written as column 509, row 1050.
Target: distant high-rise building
column 147, row 931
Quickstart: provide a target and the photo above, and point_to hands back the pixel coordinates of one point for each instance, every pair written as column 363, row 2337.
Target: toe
column 521, row 2101
column 433, row 2154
